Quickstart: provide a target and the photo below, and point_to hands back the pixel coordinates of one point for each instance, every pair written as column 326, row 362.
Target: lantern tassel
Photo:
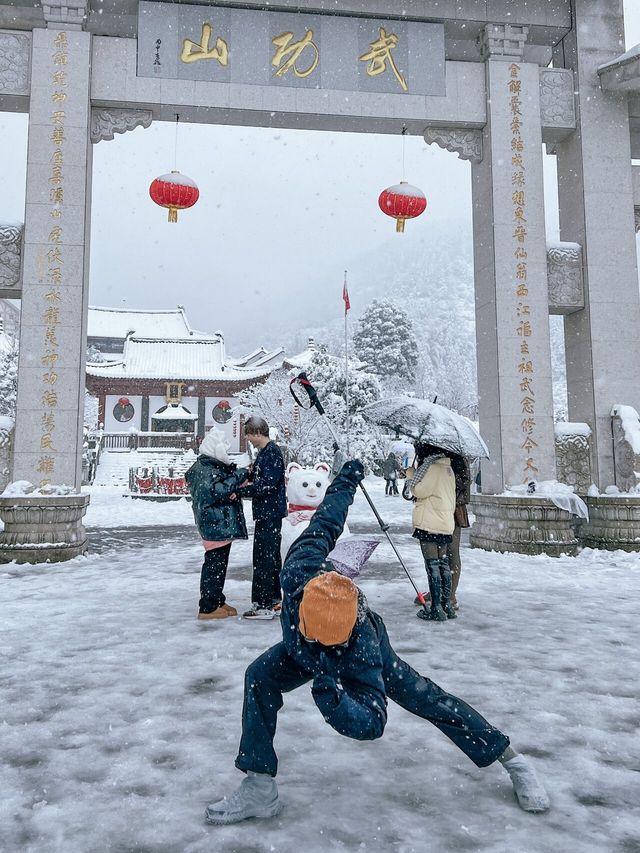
column 173, row 214
column 400, row 225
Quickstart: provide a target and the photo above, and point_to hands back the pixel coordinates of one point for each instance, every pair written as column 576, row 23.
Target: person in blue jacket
column 269, row 507
column 331, row 638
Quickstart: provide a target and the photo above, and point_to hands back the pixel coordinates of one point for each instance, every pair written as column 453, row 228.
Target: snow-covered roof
column 118, row 323
column 260, row 358
column 303, row 359
column 187, row 358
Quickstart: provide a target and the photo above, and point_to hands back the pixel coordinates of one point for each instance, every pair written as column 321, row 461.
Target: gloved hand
column 355, row 468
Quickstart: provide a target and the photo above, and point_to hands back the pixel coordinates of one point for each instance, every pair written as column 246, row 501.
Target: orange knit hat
column 328, row 609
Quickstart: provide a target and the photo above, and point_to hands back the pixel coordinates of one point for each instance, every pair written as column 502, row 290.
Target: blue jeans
column 275, row 673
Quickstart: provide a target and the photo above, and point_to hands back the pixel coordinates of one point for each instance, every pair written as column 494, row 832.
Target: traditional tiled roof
column 118, row 323
column 166, row 358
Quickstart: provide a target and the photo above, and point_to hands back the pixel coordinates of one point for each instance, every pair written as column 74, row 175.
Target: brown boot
column 219, row 613
column 230, row 610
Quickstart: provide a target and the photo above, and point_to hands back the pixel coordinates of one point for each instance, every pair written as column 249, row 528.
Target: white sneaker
column 258, row 613
column 257, row 796
column 527, row 787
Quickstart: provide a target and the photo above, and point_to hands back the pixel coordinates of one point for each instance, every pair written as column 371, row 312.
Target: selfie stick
column 303, row 382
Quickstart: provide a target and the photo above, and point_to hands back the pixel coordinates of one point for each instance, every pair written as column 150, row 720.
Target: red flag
column 345, row 297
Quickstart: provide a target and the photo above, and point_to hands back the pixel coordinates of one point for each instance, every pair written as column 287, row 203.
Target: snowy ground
column 120, row 712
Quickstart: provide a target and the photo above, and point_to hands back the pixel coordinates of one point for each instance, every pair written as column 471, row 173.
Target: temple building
column 152, row 373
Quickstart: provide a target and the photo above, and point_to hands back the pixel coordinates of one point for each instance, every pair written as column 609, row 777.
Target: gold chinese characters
column 194, row 52
column 54, row 262
column 380, row 55
column 524, row 326
column 286, row 56
column 295, row 53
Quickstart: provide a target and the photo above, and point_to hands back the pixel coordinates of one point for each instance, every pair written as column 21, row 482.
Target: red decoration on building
column 123, row 401
column 402, row 202
column 175, row 191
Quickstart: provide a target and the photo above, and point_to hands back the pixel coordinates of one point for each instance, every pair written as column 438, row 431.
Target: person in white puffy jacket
column 432, row 486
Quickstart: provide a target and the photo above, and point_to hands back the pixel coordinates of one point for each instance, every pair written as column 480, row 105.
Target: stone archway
column 479, row 87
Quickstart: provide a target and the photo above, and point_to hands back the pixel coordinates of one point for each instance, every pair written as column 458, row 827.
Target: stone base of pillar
column 524, row 525
column 39, row 529
column 614, row 523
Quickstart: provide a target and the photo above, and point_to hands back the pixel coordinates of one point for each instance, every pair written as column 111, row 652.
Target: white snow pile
column 120, row 712
column 567, row 428
column 23, row 488
column 630, row 422
column 558, row 493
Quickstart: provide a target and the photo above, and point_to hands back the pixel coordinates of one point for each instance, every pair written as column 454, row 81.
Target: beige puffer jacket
column 435, row 499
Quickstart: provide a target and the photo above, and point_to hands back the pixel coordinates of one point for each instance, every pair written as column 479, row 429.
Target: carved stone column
column 510, row 268
column 597, row 211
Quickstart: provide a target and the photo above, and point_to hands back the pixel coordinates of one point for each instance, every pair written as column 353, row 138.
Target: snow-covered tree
column 327, row 373
column 94, row 355
column 385, row 341
column 302, row 433
column 9, row 379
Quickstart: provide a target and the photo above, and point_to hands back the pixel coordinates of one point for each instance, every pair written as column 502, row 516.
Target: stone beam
column 115, row 84
column 623, row 73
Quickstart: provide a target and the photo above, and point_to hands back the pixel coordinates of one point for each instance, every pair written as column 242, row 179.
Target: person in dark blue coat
column 269, row 507
column 214, row 482
column 331, row 638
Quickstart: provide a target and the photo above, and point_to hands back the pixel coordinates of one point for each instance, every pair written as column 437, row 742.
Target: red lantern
column 402, row 202
column 123, row 401
column 175, row 191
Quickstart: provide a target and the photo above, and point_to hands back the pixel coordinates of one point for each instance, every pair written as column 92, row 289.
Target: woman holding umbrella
column 432, row 485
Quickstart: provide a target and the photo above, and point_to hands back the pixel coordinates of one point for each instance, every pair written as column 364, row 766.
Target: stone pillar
column 596, row 210
column 202, row 416
column 144, row 415
column 51, row 380
column 510, row 262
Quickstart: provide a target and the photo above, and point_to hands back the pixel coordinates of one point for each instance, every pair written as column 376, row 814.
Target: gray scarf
column 422, row 470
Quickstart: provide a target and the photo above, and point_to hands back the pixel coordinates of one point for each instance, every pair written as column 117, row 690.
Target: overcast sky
column 281, row 214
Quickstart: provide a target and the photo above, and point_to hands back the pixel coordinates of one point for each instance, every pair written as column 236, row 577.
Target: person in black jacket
column 213, row 482
column 332, row 638
column 269, row 507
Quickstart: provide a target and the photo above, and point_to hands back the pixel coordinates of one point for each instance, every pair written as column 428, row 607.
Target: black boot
column 436, row 614
column 445, row 572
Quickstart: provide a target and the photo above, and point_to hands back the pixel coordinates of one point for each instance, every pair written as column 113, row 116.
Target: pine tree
column 385, row 341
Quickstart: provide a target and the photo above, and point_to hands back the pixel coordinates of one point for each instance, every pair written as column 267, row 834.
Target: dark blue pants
column 275, row 673
column 267, row 538
column 212, row 578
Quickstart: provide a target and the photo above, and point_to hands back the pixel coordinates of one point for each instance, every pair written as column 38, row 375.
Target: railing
column 142, row 440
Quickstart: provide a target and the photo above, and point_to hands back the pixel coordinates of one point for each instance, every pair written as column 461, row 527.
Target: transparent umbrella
column 351, row 553
column 424, row 421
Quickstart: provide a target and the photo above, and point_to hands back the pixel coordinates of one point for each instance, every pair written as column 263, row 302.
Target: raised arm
column 327, row 523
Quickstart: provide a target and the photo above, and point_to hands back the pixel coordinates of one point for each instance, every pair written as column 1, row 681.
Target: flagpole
column 345, row 293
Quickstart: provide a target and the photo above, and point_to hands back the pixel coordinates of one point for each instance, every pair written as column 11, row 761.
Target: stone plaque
column 292, row 49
